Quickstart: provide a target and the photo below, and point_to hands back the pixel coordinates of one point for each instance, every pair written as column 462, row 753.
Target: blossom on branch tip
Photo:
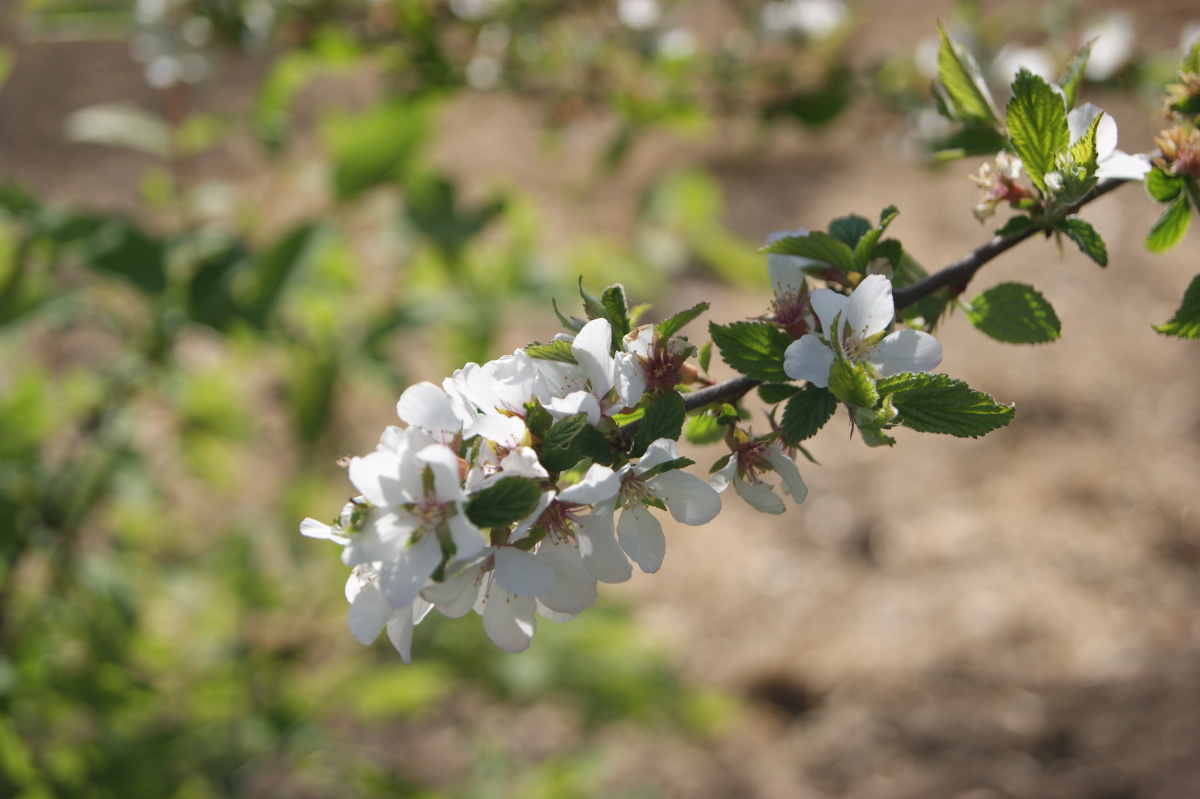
column 744, row 468
column 856, row 324
column 790, row 305
column 1112, row 163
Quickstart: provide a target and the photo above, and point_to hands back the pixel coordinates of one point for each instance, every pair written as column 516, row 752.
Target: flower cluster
column 512, row 490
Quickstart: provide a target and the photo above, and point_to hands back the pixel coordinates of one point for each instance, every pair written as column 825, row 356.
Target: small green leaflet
column 503, row 503
column 753, row 349
column 1037, row 125
column 1083, row 234
column 1083, row 151
column 1073, row 75
column 617, row 312
column 849, row 229
column 1162, row 187
column 852, row 384
column 557, row 350
column 1186, row 321
column 1015, row 226
column 963, row 84
column 1171, row 226
column 936, row 403
column 807, row 412
column 866, row 245
column 817, row 246
column 663, row 419
column 592, row 306
column 704, row 428
column 667, row 466
column 1014, row 313
column 671, row 326
column 558, row 450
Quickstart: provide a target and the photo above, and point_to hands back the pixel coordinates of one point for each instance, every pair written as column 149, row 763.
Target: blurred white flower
column 1113, row 162
column 639, row 15
column 1113, row 47
column 1010, row 59
column 816, row 18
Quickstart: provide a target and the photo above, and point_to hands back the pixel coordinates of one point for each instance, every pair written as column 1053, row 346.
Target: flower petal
column 641, row 536
column 592, row 349
column 428, row 407
column 368, row 613
column 598, row 548
column 1123, row 166
column 456, row 595
column 599, row 483
column 791, row 481
column 871, row 309
column 690, row 500
column 761, row 497
column 468, row 539
column 508, row 619
column 400, row 627
column 808, row 358
column 403, row 577
column 574, row 589
column 907, row 351
column 721, row 478
column 519, row 572
column 827, row 304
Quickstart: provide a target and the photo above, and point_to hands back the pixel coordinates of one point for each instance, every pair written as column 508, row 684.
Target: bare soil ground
column 1012, row 617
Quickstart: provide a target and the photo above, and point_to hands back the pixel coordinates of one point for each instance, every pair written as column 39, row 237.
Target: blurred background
column 232, row 231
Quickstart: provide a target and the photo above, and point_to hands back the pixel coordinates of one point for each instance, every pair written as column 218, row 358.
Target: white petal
column 721, row 479
column 519, row 572
column 522, row 462
column 379, row 477
column 550, row 614
column 661, row 450
column 456, row 595
column 1080, row 119
column 1106, row 137
column 792, row 483
column 871, row 309
column 506, row 430
column 508, row 619
column 690, row 499
column 907, row 351
column 641, row 536
column 574, row 589
column 468, row 539
column 630, row 380
column 576, row 402
column 427, row 406
column 521, row 529
column 383, row 534
column 400, row 627
column 1123, row 166
column 761, row 497
column 602, row 557
column 369, row 612
column 598, row 484
column 403, row 577
column 315, row 529
column 827, row 304
column 592, row 350
column 808, row 358
column 444, row 465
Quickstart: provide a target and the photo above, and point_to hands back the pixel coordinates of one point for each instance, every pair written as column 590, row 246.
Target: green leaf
column 572, row 324
column 558, row 450
column 666, row 466
column 663, row 419
column 936, row 403
column 557, row 350
column 503, row 503
column 851, row 383
column 272, row 270
column 592, row 445
column 753, row 349
column 1191, row 62
column 1014, row 313
column 964, row 86
column 1083, row 151
column 704, row 428
column 1015, row 226
column 772, row 393
column 818, row 246
column 849, row 229
column 1073, row 75
column 866, row 245
column 1086, row 237
column 968, row 142
column 705, row 356
column 376, row 147
column 1171, row 226
column 669, row 327
column 617, row 312
column 807, row 412
column 1162, row 187
column 593, row 308
column 538, row 419
column 1186, row 321
column 1037, row 125
column 121, row 249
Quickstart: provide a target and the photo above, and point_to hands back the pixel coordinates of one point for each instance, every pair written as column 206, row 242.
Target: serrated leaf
column 1162, row 187
column 1073, row 75
column 1015, row 314
column 593, row 308
column 557, row 350
column 937, row 403
column 966, row 91
column 772, row 393
column 1186, row 321
column 664, row 419
column 538, row 419
column 817, row 246
column 807, row 412
column 1086, row 236
column 1171, row 226
column 753, row 349
column 968, row 142
column 672, row 325
column 617, row 312
column 851, row 383
column 849, row 229
column 666, row 466
column 1037, row 125
column 557, row 450
column 572, row 324
column 1015, row 226
column 1083, row 150
column 593, row 446
column 503, row 503
column 866, row 245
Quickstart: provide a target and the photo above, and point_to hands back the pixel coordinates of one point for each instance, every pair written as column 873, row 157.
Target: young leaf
column 704, row 428
column 965, row 88
column 1083, row 151
column 1170, row 227
column 505, row 502
column 593, row 308
column 849, row 229
column 753, row 349
column 558, row 450
column 818, row 246
column 1014, row 313
column 936, row 403
column 866, row 245
column 617, row 314
column 1037, row 125
column 1162, row 187
column 807, row 412
column 850, row 382
column 1073, row 75
column 772, row 393
column 663, row 419
column 1015, row 226
column 557, row 350
column 1086, row 237
column 669, row 327
column 1186, row 321
column 572, row 324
